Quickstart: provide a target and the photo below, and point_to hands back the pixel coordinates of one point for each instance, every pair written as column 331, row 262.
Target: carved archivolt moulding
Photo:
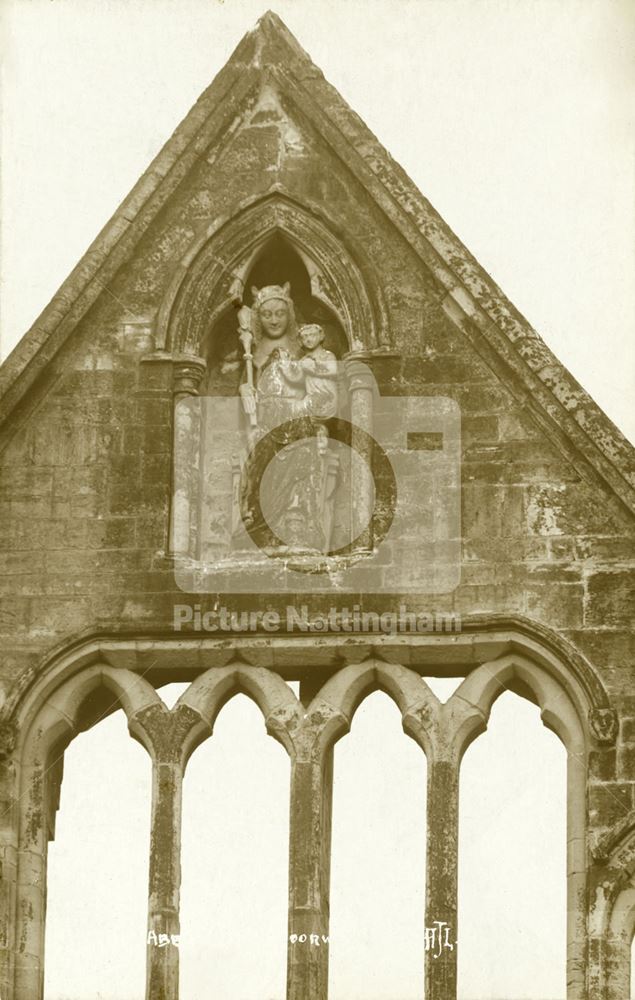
column 8, row 738
column 212, row 274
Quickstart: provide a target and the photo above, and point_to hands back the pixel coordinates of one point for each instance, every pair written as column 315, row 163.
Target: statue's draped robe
column 289, row 510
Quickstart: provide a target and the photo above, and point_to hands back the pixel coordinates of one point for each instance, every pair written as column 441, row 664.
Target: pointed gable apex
column 499, row 334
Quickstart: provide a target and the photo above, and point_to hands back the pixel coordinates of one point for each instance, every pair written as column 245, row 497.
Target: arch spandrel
column 63, row 706
column 335, row 704
column 211, row 691
column 480, row 640
column 559, row 712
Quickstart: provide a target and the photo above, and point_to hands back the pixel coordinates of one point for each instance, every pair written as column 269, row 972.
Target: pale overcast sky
column 516, row 120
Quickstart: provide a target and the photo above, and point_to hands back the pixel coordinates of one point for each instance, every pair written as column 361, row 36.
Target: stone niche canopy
column 273, row 240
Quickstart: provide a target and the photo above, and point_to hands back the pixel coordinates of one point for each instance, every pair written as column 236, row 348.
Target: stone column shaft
column 441, row 876
column 9, row 821
column 619, row 968
column 362, row 486
column 162, row 978
column 185, row 457
column 577, row 929
column 31, row 888
column 309, row 876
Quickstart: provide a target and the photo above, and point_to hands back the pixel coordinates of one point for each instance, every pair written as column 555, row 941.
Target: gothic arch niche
column 275, row 262
column 320, row 501
column 213, row 275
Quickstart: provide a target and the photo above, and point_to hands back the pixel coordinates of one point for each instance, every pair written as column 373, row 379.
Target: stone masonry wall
column 85, row 481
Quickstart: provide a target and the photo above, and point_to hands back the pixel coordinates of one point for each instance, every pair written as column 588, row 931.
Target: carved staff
column 246, row 338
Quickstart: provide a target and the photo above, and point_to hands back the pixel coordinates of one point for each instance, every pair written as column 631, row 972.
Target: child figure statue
column 316, row 370
column 320, row 372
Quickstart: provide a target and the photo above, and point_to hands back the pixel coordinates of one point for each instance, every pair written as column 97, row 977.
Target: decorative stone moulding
column 8, row 737
column 211, row 276
column 188, row 372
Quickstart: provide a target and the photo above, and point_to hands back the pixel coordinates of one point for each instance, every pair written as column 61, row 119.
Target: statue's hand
column 248, row 396
column 244, row 318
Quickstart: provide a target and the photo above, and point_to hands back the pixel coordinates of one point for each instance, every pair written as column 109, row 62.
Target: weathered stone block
column 491, row 511
column 626, row 763
column 558, row 605
column 602, row 765
column 627, row 730
column 610, row 599
column 61, row 617
column 610, row 802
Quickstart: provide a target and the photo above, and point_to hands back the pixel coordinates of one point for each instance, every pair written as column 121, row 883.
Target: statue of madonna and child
column 289, row 391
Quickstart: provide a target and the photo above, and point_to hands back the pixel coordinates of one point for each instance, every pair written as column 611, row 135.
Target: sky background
column 516, row 120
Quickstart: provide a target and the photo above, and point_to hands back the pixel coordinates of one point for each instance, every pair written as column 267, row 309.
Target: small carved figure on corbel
column 604, row 724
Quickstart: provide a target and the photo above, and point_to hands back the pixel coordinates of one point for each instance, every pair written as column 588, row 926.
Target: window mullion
column 441, row 876
column 309, row 875
column 162, row 977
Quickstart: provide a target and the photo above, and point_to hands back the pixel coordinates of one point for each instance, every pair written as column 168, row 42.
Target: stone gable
column 88, row 396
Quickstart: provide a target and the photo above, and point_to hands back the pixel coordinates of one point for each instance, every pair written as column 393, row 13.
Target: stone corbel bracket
column 603, row 723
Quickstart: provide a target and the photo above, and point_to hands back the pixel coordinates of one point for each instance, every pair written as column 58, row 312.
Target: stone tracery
column 308, row 732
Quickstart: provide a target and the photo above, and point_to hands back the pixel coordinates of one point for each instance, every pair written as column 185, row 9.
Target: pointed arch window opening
column 310, row 740
column 512, row 855
column 234, row 859
column 378, row 860
column 97, row 873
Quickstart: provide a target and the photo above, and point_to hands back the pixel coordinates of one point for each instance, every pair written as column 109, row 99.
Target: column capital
column 358, row 372
column 187, row 370
column 187, row 374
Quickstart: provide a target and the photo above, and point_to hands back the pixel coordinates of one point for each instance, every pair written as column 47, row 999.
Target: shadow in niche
column 277, row 263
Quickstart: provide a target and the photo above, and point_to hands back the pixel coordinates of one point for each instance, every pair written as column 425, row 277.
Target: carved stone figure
column 288, row 474
column 318, row 369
